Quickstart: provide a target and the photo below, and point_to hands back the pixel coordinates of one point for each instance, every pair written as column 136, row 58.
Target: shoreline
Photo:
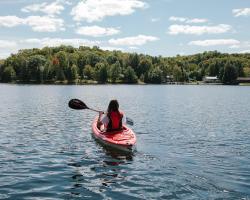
column 140, row 83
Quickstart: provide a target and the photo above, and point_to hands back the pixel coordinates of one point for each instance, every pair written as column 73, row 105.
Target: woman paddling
column 113, row 119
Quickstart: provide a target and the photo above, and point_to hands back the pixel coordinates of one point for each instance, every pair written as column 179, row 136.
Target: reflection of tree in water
column 96, row 174
column 115, row 158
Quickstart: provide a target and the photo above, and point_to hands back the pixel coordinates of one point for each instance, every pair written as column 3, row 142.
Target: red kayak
column 122, row 140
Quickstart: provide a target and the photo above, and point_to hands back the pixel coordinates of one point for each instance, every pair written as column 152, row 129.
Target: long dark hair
column 113, row 106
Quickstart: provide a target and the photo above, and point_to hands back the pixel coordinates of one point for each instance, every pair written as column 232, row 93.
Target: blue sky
column 154, row 27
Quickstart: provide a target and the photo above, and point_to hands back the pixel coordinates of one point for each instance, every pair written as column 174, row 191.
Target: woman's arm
column 99, row 123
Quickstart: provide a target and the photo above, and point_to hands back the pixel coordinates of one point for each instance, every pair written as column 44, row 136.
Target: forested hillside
column 66, row 64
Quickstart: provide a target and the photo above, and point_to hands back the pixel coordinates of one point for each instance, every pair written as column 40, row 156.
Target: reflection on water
column 192, row 143
column 106, row 172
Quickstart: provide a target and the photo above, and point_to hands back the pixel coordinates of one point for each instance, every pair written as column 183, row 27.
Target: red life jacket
column 115, row 121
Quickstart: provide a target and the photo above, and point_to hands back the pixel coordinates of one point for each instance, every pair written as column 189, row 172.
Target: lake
column 193, row 142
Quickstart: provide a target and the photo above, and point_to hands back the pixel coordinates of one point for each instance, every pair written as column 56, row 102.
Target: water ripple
column 193, row 143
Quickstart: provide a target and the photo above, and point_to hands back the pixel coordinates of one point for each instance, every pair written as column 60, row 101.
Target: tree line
column 66, row 64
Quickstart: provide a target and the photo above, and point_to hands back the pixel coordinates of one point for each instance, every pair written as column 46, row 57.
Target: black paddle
column 79, row 105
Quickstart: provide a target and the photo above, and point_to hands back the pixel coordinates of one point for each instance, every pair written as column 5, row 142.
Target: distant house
column 170, row 79
column 210, row 79
column 243, row 80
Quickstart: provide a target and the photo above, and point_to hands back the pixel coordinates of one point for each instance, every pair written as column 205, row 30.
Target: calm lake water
column 193, row 142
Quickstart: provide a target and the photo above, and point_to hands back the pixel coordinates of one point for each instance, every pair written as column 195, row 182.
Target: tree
column 196, row 75
column 73, row 75
column 133, row 61
column 111, row 59
column 155, row 75
column 69, row 63
column 59, row 71
column 36, row 66
column 9, row 74
column 92, row 58
column 130, row 75
column 88, row 72
column 230, row 74
column 81, row 62
column 62, row 59
column 144, row 65
column 115, row 71
column 177, row 73
column 48, row 72
column 213, row 68
column 72, row 59
column 102, row 73
column 246, row 71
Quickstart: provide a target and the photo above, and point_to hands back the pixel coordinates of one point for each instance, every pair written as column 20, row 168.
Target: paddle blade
column 129, row 121
column 77, row 104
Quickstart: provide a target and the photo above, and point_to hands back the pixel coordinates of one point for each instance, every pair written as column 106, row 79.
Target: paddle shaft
column 80, row 105
column 95, row 110
column 128, row 120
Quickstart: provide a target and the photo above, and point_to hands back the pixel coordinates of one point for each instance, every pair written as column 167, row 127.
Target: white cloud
column 177, row 19
column 133, row 41
column 197, row 20
column 216, row 42
column 37, row 23
column 45, row 23
column 34, row 7
column 49, row 9
column 76, row 42
column 187, row 20
column 6, row 44
column 96, row 10
column 69, row 3
column 10, row 21
column 198, row 30
column 155, row 19
column 235, row 46
column 96, row 31
column 108, row 48
column 241, row 12
column 245, row 51
column 7, row 47
column 133, row 48
column 4, row 55
column 247, row 43
column 31, row 41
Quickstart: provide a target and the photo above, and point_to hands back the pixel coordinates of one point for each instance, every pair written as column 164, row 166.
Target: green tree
column 155, row 75
column 58, row 65
column 101, row 73
column 230, row 74
column 133, row 61
column 92, row 58
column 73, row 73
column 48, row 72
column 62, row 59
column 130, row 75
column 246, row 71
column 36, row 66
column 196, row 75
column 9, row 74
column 62, row 66
column 88, row 72
column 177, row 73
column 115, row 71
column 111, row 59
column 144, row 65
column 81, row 62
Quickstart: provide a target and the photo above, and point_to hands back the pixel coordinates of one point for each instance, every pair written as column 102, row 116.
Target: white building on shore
column 211, row 79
